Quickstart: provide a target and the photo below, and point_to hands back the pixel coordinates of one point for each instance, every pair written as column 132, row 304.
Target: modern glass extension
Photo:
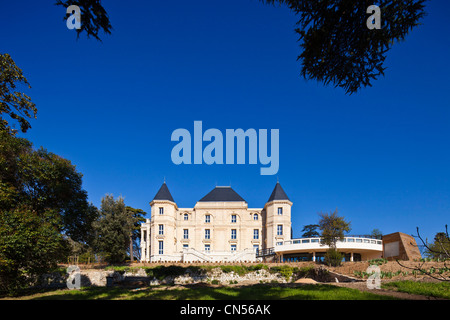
column 354, row 248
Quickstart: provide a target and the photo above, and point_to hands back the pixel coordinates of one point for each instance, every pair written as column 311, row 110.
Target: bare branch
column 424, row 271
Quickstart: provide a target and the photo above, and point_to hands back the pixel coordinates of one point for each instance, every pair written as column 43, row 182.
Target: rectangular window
column 256, row 248
column 279, row 230
column 255, row 234
column 207, row 218
column 233, row 218
column 161, row 229
column 207, row 247
column 161, row 210
column 185, row 233
column 161, row 247
column 233, row 247
column 186, row 217
column 233, row 233
column 207, row 234
column 185, row 246
column 280, row 211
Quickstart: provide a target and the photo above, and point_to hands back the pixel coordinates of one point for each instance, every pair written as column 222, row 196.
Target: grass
column 251, row 292
column 429, row 289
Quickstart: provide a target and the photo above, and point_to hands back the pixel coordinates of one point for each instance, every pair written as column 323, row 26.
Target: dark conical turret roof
column 163, row 193
column 221, row 194
column 278, row 193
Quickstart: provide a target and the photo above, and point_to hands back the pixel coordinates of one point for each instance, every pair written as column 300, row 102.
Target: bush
column 333, row 258
column 258, row 267
column 305, row 272
column 284, row 270
column 240, row 270
column 161, row 272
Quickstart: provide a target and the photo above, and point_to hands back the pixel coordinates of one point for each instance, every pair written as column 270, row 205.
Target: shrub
column 333, row 258
column 284, row 270
column 240, row 270
column 161, row 272
column 258, row 267
column 119, row 269
column 307, row 271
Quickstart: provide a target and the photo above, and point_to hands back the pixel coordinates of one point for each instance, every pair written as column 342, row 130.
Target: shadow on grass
column 206, row 292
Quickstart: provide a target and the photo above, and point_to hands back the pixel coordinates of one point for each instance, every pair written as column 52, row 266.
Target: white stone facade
column 220, row 227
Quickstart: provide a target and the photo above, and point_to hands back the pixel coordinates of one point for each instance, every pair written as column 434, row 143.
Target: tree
column 113, row 229
column 41, row 203
column 93, row 17
column 42, row 180
column 30, row 245
column 138, row 217
column 333, row 228
column 14, row 104
column 338, row 47
column 440, row 248
column 376, row 233
column 310, row 231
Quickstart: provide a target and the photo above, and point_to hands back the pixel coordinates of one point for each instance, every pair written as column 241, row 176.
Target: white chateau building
column 220, row 227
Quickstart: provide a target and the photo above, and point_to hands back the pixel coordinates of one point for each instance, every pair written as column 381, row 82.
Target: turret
column 163, row 215
column 277, row 217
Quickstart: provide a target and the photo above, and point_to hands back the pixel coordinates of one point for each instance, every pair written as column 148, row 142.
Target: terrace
column 354, row 248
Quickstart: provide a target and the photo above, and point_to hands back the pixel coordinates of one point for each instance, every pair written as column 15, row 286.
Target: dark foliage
column 93, row 17
column 338, row 48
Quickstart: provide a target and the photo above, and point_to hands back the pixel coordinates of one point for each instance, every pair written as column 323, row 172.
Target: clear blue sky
column 381, row 156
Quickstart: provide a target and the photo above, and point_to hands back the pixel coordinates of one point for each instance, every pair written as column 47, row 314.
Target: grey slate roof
column 163, row 194
column 278, row 193
column 222, row 194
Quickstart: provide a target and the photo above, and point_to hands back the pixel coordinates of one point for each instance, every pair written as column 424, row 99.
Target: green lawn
column 429, row 289
column 253, row 292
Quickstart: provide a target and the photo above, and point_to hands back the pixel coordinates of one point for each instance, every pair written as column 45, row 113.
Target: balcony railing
column 350, row 239
column 264, row 252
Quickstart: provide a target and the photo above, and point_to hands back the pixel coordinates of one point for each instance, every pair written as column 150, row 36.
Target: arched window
column 255, row 216
column 186, row 217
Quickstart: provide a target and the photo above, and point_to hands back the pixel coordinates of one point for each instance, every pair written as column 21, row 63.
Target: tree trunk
column 131, row 248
